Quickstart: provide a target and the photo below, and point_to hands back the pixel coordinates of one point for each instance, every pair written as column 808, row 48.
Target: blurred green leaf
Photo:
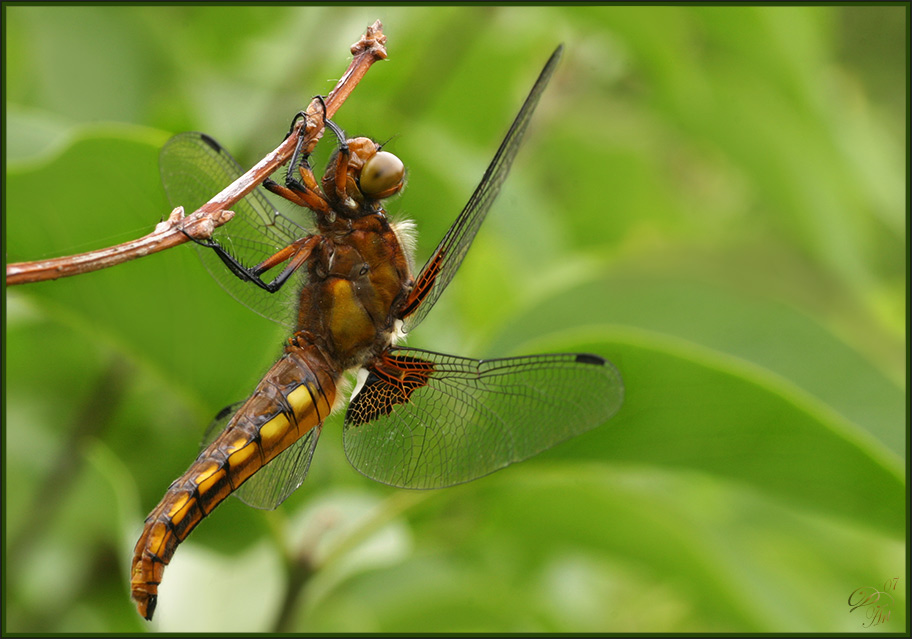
column 764, row 332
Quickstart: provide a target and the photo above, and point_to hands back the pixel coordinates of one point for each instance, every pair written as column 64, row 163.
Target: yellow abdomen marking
column 272, row 432
column 206, row 471
column 310, row 406
column 177, row 512
column 301, row 401
column 244, row 461
column 239, row 443
column 214, row 489
column 158, row 536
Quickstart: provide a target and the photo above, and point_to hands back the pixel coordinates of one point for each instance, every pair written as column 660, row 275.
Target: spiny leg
column 296, row 253
column 304, row 192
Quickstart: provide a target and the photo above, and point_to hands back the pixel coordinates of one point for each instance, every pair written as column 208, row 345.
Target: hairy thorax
column 356, row 280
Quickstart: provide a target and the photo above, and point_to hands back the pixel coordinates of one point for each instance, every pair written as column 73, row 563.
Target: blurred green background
column 711, row 197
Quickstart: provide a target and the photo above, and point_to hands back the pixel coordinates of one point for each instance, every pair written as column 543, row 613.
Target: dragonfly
column 342, row 282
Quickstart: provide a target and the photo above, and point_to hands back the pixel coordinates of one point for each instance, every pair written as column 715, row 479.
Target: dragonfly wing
column 194, row 167
column 282, row 476
column 440, row 269
column 427, row 420
column 274, row 482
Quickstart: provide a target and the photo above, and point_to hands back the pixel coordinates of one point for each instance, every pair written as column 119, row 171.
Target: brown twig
column 202, row 222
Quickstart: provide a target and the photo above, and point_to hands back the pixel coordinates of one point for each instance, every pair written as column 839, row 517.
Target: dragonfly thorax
column 356, row 283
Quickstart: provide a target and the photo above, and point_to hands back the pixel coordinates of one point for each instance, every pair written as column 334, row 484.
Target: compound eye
column 382, row 175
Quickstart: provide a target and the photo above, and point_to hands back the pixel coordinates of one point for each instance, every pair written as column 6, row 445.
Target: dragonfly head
column 382, row 176
column 373, row 174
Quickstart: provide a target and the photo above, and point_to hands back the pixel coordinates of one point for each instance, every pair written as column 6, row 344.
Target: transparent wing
column 440, row 269
column 274, row 482
column 194, row 167
column 427, row 420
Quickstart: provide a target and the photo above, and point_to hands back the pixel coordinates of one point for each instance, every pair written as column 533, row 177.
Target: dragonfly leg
column 303, row 192
column 300, row 115
column 303, row 115
column 300, row 193
column 296, row 254
column 340, row 179
column 299, row 157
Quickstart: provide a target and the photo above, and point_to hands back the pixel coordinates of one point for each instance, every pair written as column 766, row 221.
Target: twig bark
column 217, row 211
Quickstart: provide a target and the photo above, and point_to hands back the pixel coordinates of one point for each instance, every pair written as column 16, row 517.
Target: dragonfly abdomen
column 292, row 399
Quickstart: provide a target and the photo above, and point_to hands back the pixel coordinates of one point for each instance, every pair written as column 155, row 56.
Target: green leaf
column 712, row 197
